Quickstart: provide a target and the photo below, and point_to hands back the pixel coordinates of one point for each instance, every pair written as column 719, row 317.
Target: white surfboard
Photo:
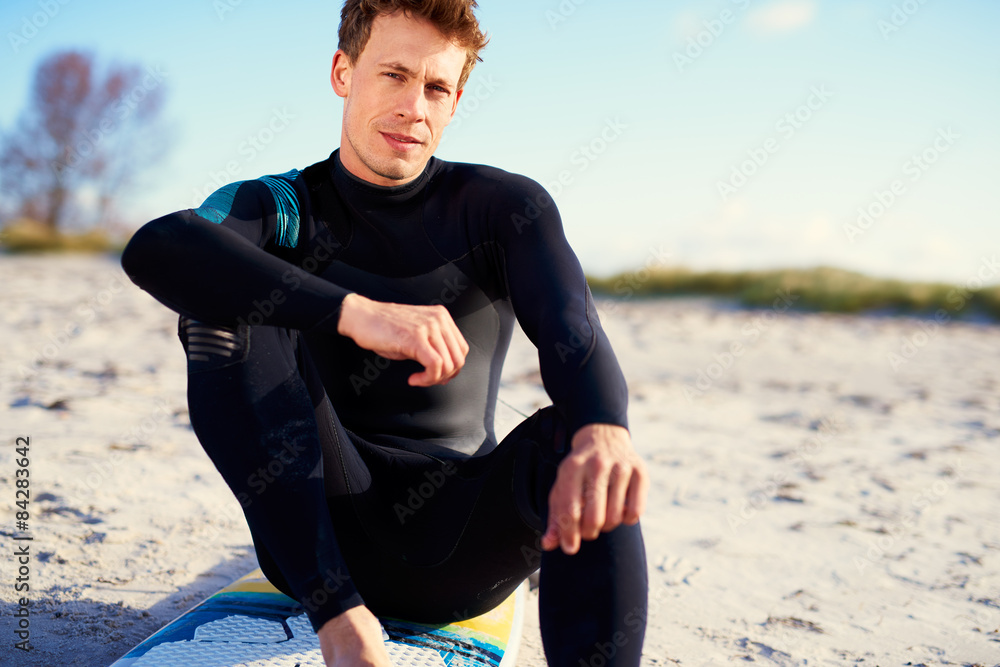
column 252, row 624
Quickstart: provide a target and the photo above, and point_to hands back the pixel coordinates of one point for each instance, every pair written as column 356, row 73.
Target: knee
column 270, row 569
column 210, row 346
column 548, row 426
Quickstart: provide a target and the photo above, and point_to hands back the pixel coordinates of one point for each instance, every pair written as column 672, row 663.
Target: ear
column 340, row 73
column 454, row 105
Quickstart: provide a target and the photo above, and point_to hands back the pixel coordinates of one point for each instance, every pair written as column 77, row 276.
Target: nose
column 411, row 105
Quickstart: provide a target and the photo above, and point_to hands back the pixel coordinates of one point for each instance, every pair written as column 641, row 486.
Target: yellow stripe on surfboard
column 495, row 623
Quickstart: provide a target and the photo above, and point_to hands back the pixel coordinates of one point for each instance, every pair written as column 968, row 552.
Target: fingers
column 457, row 347
column 432, row 353
column 426, row 334
column 617, row 498
column 565, row 508
column 441, row 348
column 638, row 489
column 594, row 493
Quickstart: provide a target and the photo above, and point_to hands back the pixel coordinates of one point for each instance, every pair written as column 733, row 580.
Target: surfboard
column 250, row 623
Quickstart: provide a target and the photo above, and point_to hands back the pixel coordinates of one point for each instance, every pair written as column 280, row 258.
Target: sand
column 824, row 487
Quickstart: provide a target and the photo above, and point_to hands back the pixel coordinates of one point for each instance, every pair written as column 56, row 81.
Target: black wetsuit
column 358, row 488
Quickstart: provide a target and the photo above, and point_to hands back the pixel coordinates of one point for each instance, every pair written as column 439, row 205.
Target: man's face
column 399, row 96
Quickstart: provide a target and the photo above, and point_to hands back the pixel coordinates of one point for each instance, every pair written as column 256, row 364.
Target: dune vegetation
column 819, row 289
column 30, row 236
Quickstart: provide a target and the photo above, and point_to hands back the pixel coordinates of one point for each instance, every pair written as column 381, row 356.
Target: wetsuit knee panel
column 211, row 347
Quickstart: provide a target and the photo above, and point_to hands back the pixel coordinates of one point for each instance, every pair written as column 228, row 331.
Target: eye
column 393, row 74
column 439, row 89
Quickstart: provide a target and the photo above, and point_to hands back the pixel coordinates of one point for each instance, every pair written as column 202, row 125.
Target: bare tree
column 82, row 139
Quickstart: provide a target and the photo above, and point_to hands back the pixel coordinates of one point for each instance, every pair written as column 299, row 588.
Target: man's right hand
column 426, row 334
column 353, row 639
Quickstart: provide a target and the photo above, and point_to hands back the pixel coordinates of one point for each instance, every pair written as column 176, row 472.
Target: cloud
column 782, row 16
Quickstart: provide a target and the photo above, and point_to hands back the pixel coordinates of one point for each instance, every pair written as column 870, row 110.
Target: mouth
column 401, row 142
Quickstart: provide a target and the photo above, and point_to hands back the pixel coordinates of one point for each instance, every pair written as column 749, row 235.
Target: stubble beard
column 394, row 170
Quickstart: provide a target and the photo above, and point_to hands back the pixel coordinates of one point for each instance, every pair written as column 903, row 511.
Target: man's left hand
column 601, row 484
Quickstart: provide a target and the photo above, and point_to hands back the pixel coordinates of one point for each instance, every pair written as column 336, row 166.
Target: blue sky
column 721, row 134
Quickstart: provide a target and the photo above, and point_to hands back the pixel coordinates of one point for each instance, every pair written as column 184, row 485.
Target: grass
column 820, row 289
column 30, row 236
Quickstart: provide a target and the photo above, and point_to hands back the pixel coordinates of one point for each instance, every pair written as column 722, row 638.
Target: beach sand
column 824, row 487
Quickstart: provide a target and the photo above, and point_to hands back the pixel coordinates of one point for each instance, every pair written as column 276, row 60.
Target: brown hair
column 454, row 18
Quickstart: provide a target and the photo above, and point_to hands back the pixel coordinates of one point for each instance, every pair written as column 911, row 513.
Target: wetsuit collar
column 394, row 193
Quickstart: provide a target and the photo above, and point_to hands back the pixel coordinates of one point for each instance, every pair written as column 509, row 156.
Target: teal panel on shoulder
column 218, row 205
column 287, row 203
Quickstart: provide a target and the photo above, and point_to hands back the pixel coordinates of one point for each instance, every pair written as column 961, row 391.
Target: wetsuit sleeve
column 213, row 263
column 216, row 264
column 555, row 308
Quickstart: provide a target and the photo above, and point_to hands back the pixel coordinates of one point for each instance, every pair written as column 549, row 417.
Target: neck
column 395, row 192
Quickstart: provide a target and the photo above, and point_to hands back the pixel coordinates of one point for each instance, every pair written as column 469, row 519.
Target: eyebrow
column 400, row 67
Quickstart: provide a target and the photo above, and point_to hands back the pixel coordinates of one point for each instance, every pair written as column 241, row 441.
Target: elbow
column 149, row 247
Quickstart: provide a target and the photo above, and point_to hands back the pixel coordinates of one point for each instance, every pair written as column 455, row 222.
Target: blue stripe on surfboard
column 270, row 606
column 447, row 642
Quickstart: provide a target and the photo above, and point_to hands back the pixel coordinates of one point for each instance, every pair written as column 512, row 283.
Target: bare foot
column 353, row 639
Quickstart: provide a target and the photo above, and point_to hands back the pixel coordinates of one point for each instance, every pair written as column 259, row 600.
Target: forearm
column 556, row 310
column 588, row 387
column 210, row 273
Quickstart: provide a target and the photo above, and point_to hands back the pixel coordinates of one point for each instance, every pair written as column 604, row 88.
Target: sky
column 712, row 134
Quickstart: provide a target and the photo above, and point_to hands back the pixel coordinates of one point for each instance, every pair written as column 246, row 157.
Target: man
column 345, row 327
